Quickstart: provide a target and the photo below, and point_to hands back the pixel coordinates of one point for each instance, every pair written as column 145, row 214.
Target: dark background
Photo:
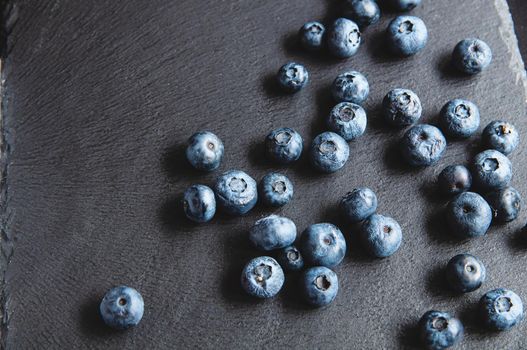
column 99, row 98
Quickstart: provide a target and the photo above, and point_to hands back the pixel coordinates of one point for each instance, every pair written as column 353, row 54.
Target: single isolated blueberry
column 273, row 232
column 199, row 203
column 401, row 107
column 320, row 286
column 204, row 151
column 362, row 12
column 459, row 118
column 350, row 86
column 284, row 145
column 348, row 120
column 359, row 204
column 505, row 203
column 471, row 56
column 236, row 192
column 276, row 189
column 423, row 145
column 262, row 277
column 343, row 38
column 122, row 307
column 465, row 273
column 403, row 5
column 290, row 258
column 311, row 36
column 323, row 245
column 468, row 215
column 454, row 179
column 439, row 330
column 381, row 235
column 406, row 35
column 292, row 77
column 491, row 170
column 329, row 152
column 501, row 309
column 501, row 136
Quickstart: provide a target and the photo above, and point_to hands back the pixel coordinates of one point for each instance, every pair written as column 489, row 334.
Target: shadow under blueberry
column 518, row 241
column 471, row 318
column 291, row 294
column 91, row 322
column 437, row 285
column 377, row 48
column 447, row 70
column 175, row 164
column 173, row 217
column 257, row 156
column 438, row 230
column 292, row 47
column 433, row 194
column 393, row 158
column 325, row 104
column 409, row 337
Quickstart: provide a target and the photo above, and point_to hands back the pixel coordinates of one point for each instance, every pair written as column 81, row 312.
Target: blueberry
column 204, row 151
column 311, row 36
column 350, row 86
column 423, row 145
column 276, row 189
column 284, row 145
column 381, row 235
column 358, row 204
column 501, row 136
column 290, row 258
column 459, row 118
column 403, row 5
column 320, row 286
column 406, row 35
column 344, row 38
column 199, row 203
column 468, row 215
column 348, row 120
column 471, row 56
column 323, row 245
column 262, row 277
column 501, row 309
column 362, row 12
column 491, row 170
column 273, row 232
column 465, row 273
column 401, row 107
column 505, row 203
column 439, row 330
column 455, row 179
column 329, row 152
column 236, row 192
column 122, row 307
column 292, row 77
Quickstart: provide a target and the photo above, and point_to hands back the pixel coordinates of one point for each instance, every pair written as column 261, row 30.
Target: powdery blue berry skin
column 468, row 215
column 350, row 86
column 329, row 152
column 454, row 179
column 359, row 204
column 401, row 107
column 284, row 145
column 459, row 118
column 465, row 273
column 505, row 203
column 406, row 35
column 439, row 330
column 501, row 309
column 362, row 12
column 381, row 235
column 276, row 189
column 348, row 120
column 204, row 151
column 491, row 170
column 122, row 307
column 199, row 203
column 311, row 36
column 343, row 38
column 423, row 145
column 403, row 5
column 290, row 258
column 501, row 136
column 262, row 277
column 272, row 232
column 320, row 286
column 323, row 245
column 292, row 77
column 471, row 56
column 236, row 192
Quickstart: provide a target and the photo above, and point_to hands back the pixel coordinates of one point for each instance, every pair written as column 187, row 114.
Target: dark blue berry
column 501, row 136
column 284, row 145
column 350, row 86
column 403, row 5
column 273, row 232
column 199, row 203
column 465, row 273
column 491, row 170
column 423, row 145
column 323, row 245
column 501, row 309
column 262, row 277
column 276, row 189
column 343, row 38
column 236, row 192
column 329, row 152
column 320, row 286
column 471, row 56
column 290, row 258
column 406, row 35
column 362, row 12
column 348, row 120
column 505, row 203
column 381, row 235
column 204, row 151
column 122, row 307
column 439, row 330
column 459, row 118
column 468, row 215
column 455, row 179
column 311, row 36
column 292, row 77
column 401, row 107
column 359, row 204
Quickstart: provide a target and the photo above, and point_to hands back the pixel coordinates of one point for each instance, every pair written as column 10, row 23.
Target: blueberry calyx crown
column 322, row 282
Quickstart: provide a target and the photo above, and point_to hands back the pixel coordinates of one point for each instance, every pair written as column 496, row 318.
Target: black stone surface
column 99, row 98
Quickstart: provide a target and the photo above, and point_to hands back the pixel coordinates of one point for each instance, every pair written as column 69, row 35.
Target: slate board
column 99, row 100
